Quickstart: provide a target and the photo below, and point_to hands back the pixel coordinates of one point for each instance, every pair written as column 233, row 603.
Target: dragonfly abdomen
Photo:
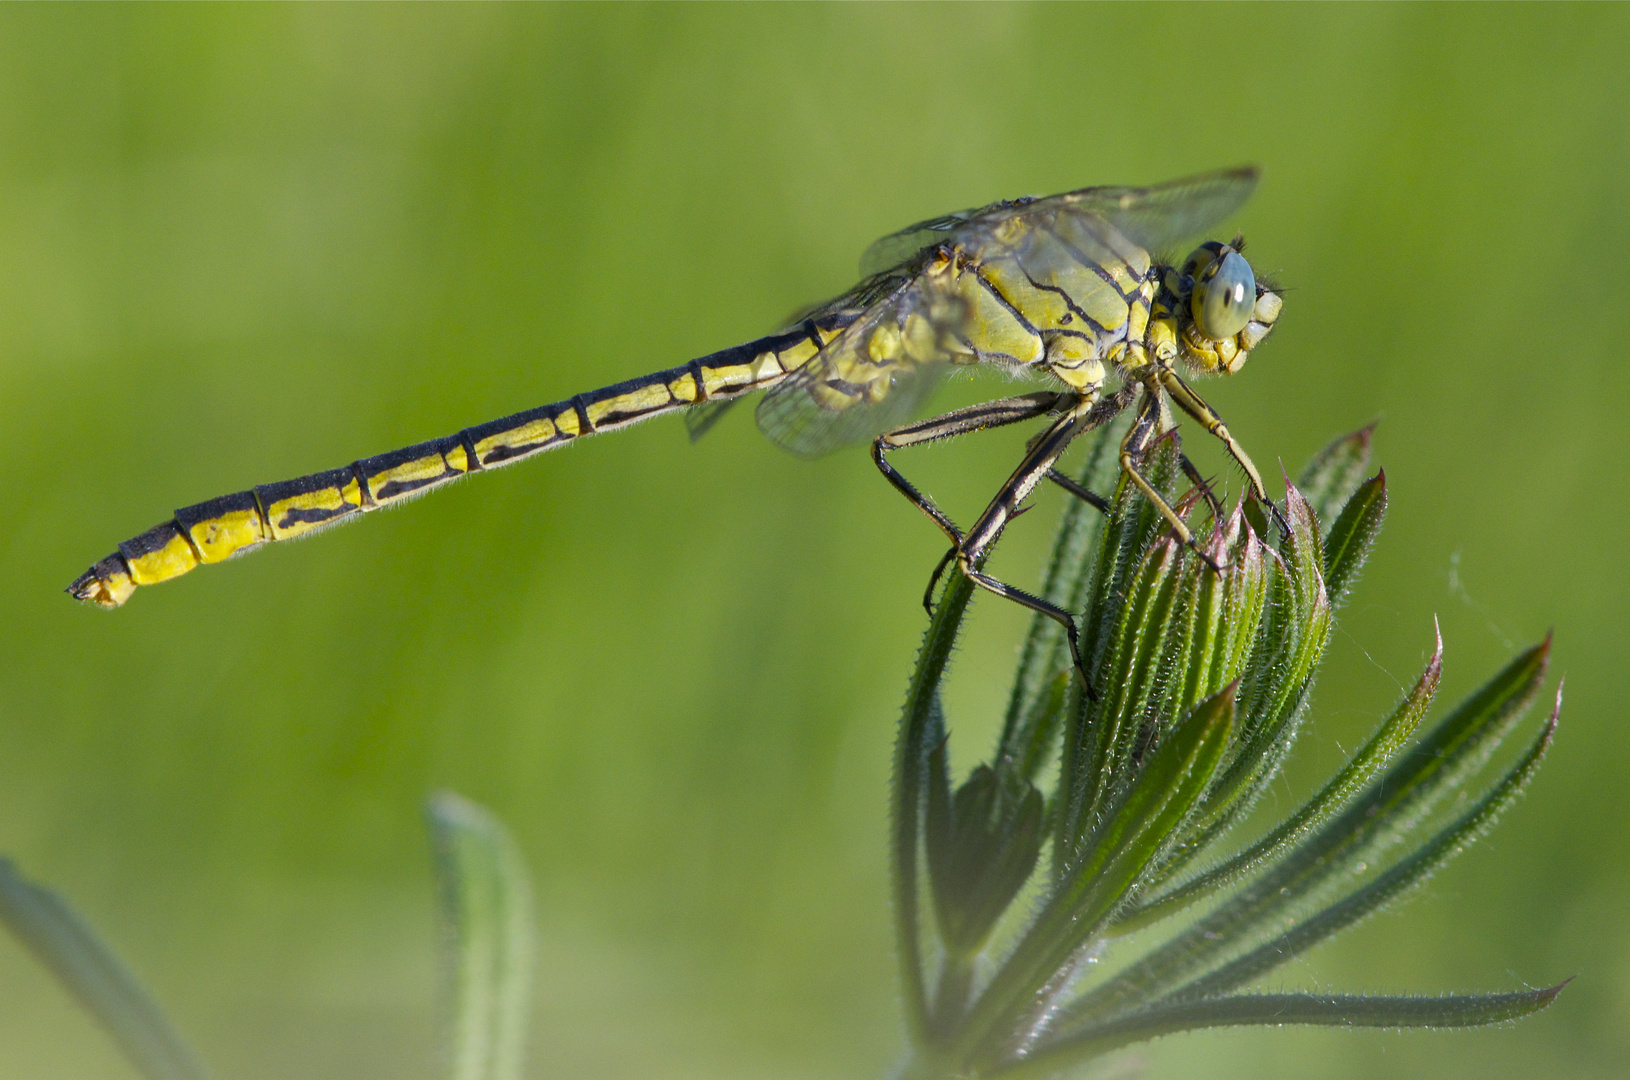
column 232, row 525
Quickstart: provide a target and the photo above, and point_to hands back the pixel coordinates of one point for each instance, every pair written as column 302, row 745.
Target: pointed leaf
column 1351, row 537
column 487, row 912
column 1125, row 541
column 1323, row 1010
column 1382, row 745
column 1128, row 676
column 1458, row 743
column 1295, row 635
column 1335, row 473
column 1426, row 860
column 88, row 967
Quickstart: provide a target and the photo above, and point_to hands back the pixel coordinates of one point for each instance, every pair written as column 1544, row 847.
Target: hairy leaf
column 1382, row 745
column 1132, row 836
column 1335, row 473
column 1322, row 1010
column 1349, row 540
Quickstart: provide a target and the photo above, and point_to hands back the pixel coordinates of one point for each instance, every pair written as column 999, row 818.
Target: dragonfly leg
column 993, row 414
column 1195, row 406
column 1037, row 604
column 1101, row 504
column 1133, row 447
column 1106, row 408
column 1086, row 495
column 1036, row 466
column 1091, row 498
column 1201, row 484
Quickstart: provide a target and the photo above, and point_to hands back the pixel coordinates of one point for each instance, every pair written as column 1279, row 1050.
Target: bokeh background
column 242, row 243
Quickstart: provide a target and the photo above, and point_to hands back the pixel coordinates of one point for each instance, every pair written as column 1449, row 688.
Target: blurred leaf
column 94, row 974
column 486, row 904
column 1041, row 726
column 1335, row 472
column 982, row 845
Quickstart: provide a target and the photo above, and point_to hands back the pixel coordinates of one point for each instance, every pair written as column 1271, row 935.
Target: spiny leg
column 1200, row 483
column 1069, row 484
column 983, row 417
column 1101, row 504
column 1037, row 604
column 1195, row 406
column 1036, row 465
column 1086, row 495
column 1106, row 409
column 1133, row 447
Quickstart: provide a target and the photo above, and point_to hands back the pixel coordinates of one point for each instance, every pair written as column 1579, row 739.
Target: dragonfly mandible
column 1066, row 288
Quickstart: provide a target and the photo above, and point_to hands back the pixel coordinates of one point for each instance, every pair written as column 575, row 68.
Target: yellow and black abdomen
column 232, row 525
column 217, row 530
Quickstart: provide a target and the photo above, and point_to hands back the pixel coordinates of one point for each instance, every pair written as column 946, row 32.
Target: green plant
column 487, row 954
column 1203, row 678
column 1141, row 920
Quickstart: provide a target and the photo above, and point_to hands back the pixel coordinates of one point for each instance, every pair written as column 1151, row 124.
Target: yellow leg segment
column 1144, row 431
column 1195, row 406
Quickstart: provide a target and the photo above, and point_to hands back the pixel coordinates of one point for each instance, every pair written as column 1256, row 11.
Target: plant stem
column 910, row 762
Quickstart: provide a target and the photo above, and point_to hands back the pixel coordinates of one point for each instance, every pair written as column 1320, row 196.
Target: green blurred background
column 243, row 243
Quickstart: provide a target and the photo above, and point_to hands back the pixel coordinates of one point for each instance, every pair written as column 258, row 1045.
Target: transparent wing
column 901, row 247
column 1155, row 218
column 912, row 321
column 1152, row 218
column 873, row 376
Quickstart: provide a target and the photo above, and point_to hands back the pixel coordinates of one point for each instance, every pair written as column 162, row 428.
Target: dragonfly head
column 1221, row 310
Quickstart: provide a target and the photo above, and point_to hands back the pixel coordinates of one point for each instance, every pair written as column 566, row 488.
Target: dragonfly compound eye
column 1224, row 296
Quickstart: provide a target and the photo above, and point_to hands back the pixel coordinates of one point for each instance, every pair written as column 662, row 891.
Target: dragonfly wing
column 914, row 319
column 874, row 375
column 901, row 247
column 1155, row 218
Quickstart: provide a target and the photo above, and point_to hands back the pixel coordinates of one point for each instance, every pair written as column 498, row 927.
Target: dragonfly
column 1068, row 289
